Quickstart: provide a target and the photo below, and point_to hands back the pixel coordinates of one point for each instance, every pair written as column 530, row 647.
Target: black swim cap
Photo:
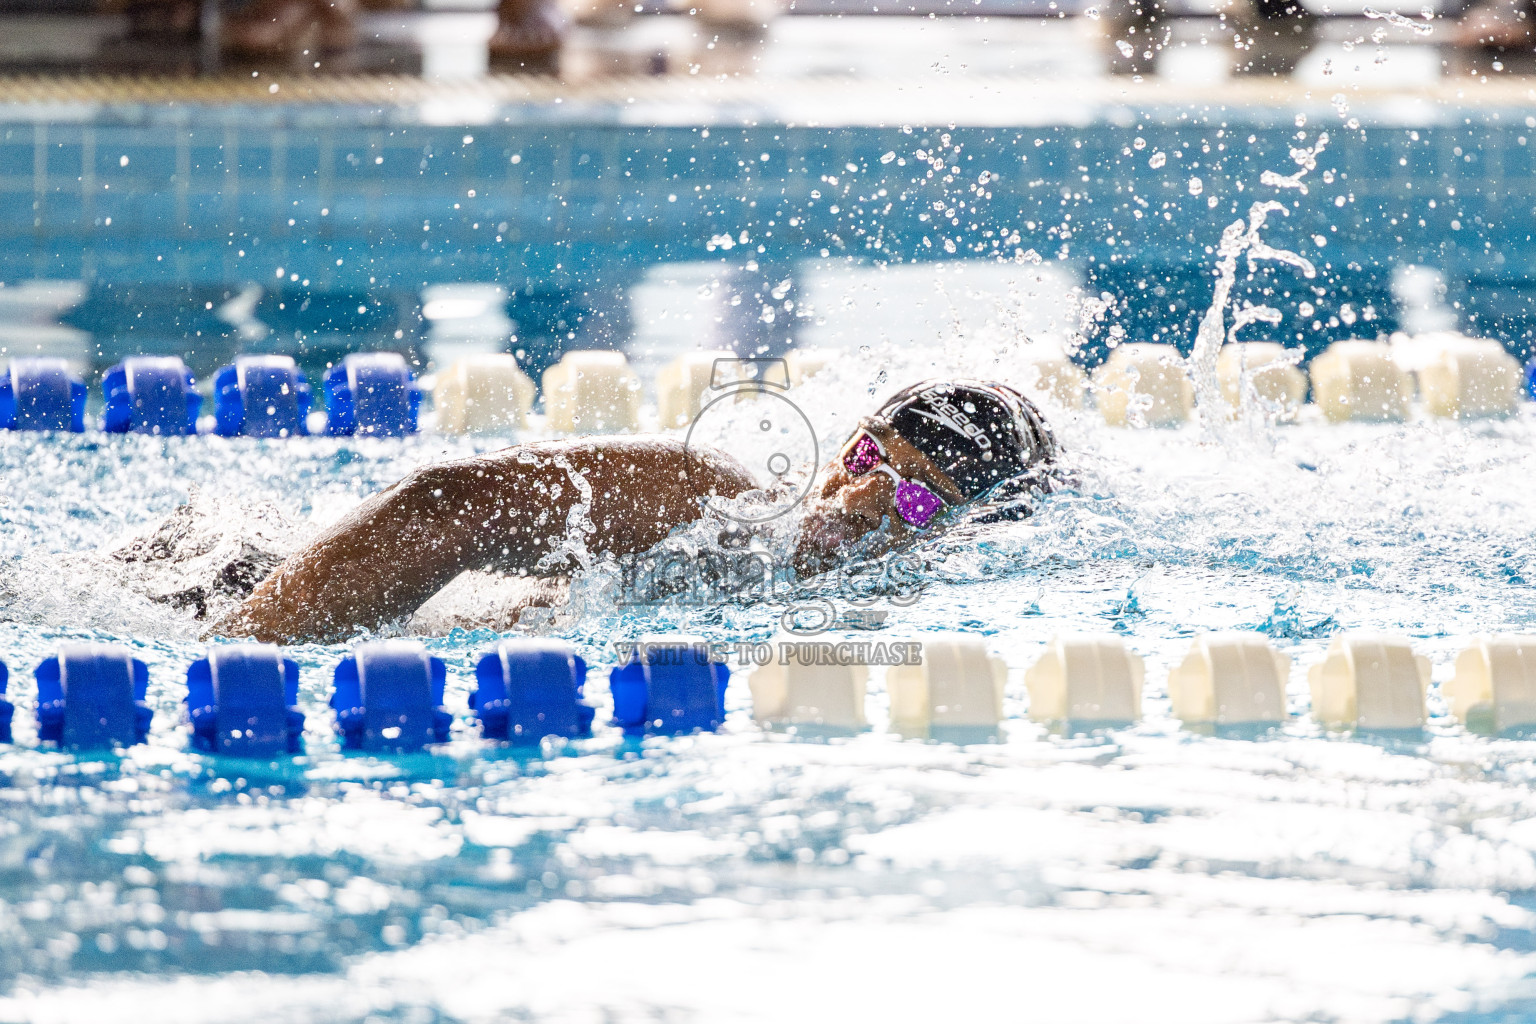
column 980, row 433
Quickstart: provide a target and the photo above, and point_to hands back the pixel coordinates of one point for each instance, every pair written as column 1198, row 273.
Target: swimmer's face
column 847, row 507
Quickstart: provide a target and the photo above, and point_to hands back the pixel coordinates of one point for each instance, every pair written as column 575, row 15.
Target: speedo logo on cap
column 947, row 414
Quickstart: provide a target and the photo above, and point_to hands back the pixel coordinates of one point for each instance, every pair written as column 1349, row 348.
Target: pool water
column 1139, row 874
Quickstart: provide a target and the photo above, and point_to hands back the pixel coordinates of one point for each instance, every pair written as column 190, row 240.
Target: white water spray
column 1422, row 28
column 1242, row 237
column 572, row 546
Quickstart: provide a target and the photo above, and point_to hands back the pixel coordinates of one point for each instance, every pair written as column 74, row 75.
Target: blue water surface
column 1137, row 874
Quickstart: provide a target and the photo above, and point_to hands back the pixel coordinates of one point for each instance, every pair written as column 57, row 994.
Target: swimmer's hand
column 535, row 604
column 484, row 600
column 830, row 531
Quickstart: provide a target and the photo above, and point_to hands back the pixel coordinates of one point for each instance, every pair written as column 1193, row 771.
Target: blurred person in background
column 177, row 20
column 1497, row 25
column 1274, row 34
column 527, row 31
column 1270, row 35
column 276, row 28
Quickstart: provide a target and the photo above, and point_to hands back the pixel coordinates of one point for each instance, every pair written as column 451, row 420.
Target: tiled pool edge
column 566, row 190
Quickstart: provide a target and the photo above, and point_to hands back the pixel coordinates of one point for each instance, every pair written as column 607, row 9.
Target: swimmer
column 928, row 453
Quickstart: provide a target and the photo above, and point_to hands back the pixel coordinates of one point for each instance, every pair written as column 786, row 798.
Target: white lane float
column 957, row 687
column 1146, row 384
column 591, row 392
column 1369, row 681
column 1267, row 369
column 683, row 384
column 1230, row 679
column 1359, row 380
column 1057, row 376
column 1086, row 679
column 1460, row 377
column 484, row 392
column 1494, row 688
column 788, row 693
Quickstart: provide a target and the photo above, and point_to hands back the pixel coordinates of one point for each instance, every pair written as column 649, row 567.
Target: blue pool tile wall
column 358, row 204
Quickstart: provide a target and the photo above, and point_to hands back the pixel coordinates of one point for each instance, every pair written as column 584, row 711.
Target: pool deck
column 978, row 100
column 801, row 70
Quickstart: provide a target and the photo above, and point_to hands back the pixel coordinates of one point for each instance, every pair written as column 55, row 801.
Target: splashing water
column 1305, row 158
column 1242, row 238
column 1422, row 28
column 578, row 520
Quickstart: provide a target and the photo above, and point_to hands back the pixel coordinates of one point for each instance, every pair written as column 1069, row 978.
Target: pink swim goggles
column 915, row 503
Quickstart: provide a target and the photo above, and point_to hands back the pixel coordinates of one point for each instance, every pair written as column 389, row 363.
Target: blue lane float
column 261, row 396
column 150, row 395
column 42, row 394
column 243, row 701
column 7, row 709
column 529, row 689
column 372, row 394
column 91, row 697
column 669, row 687
column 389, row 698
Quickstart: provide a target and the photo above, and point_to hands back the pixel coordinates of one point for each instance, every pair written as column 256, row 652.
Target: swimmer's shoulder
column 659, row 455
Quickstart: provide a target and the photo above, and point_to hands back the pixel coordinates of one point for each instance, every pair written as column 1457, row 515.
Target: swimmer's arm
column 506, row 511
column 378, row 563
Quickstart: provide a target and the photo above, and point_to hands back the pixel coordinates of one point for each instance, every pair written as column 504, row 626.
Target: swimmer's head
column 930, row 450
column 977, row 433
